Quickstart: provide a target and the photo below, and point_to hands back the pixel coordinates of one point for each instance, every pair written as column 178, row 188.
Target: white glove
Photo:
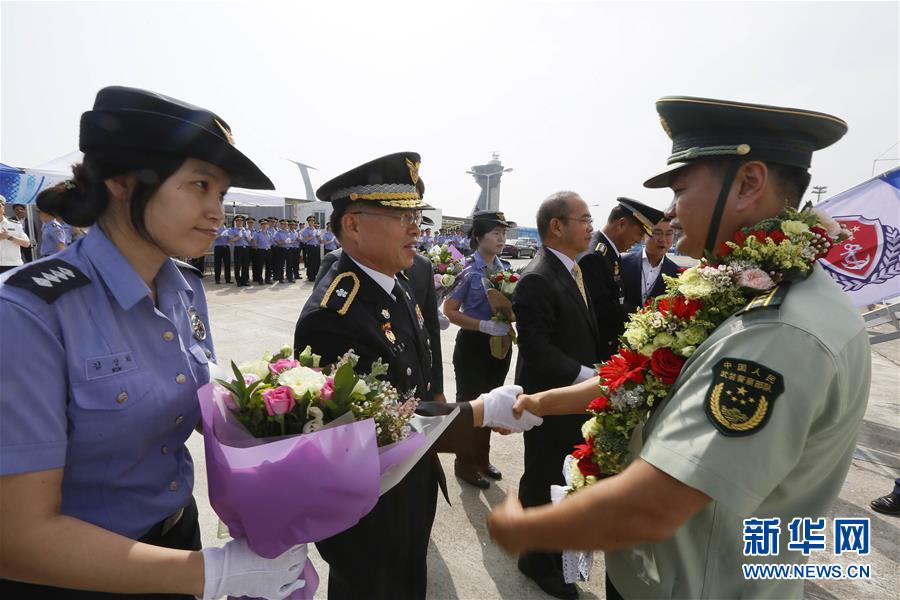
column 494, row 328
column 498, row 412
column 235, row 570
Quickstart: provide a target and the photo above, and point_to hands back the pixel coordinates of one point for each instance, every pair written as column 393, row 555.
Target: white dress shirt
column 649, row 275
column 386, row 282
column 10, row 253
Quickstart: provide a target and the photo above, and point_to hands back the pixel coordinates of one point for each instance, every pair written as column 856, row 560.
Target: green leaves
column 238, row 388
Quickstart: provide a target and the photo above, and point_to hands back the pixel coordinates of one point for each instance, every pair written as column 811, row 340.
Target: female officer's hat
column 126, row 119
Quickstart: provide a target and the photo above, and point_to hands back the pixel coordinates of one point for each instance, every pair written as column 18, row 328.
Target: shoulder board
column 771, row 299
column 49, row 279
column 341, row 292
column 600, row 248
column 187, row 267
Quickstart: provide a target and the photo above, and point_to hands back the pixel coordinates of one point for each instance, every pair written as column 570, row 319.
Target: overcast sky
column 564, row 91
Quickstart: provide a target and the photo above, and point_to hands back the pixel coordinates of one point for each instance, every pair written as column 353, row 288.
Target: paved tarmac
column 462, row 561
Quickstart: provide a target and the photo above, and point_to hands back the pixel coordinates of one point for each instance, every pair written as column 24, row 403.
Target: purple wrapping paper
column 280, row 492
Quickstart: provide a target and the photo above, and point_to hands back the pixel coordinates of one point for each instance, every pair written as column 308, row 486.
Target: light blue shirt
column 244, row 236
column 222, row 237
column 109, row 393
column 330, row 241
column 52, row 235
column 471, row 291
column 262, row 240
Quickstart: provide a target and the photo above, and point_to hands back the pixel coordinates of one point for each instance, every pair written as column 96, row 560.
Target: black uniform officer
column 602, row 267
column 367, row 305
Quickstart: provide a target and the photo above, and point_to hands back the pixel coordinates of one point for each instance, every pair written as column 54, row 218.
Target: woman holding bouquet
column 95, row 479
column 476, row 369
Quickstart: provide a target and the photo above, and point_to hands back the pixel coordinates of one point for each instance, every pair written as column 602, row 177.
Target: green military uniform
column 764, row 416
column 792, row 466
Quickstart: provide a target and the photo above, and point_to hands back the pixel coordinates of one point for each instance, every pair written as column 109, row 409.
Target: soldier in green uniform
column 672, row 522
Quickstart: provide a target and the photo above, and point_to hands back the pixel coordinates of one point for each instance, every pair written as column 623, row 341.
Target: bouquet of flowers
column 278, row 395
column 447, row 264
column 661, row 337
column 501, row 286
column 320, row 443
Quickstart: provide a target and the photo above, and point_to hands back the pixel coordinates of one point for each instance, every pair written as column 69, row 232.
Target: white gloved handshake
column 498, row 411
column 235, row 570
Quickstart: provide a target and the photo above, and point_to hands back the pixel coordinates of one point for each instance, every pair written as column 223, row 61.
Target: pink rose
column 227, row 398
column 755, row 279
column 278, row 400
column 327, row 390
column 283, row 364
column 442, row 267
column 250, row 379
column 437, row 280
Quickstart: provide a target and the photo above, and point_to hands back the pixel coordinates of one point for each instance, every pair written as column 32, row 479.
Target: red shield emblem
column 858, row 255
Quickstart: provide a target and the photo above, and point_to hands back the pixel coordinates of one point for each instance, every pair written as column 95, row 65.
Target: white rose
column 302, row 380
column 260, row 368
column 509, row 287
column 832, row 227
column 360, row 389
column 794, row 227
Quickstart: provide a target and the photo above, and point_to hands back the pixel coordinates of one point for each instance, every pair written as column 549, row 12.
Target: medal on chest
column 197, row 326
column 388, row 333
column 419, row 317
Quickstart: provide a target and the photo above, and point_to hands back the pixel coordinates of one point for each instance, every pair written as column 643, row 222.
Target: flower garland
column 661, row 336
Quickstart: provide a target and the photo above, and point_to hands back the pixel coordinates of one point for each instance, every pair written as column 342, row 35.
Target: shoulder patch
column 187, row 267
column 771, row 299
column 48, row 280
column 740, row 398
column 600, row 248
column 341, row 293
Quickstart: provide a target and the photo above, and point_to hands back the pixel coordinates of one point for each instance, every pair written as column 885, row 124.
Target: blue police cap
column 126, row 118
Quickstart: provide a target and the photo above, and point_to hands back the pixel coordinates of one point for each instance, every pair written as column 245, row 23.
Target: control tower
column 488, row 176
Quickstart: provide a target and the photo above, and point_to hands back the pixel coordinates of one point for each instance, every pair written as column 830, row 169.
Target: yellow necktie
column 579, row 281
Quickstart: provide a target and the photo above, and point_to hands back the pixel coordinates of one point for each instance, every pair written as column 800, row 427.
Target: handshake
column 500, row 412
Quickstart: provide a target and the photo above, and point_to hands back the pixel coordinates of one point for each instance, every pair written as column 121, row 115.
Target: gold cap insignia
column 413, row 170
column 500, row 216
column 225, row 132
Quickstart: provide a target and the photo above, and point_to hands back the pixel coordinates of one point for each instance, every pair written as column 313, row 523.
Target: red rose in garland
column 599, row 404
column 666, row 365
column 624, row 366
column 684, row 308
column 588, row 468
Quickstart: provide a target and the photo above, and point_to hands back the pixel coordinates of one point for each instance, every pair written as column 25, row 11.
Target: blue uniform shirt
column 309, row 236
column 244, row 236
column 108, row 390
column 262, row 240
column 471, row 290
column 222, row 237
column 330, row 241
column 52, row 235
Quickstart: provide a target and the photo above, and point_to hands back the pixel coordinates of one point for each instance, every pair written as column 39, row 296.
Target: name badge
column 104, row 366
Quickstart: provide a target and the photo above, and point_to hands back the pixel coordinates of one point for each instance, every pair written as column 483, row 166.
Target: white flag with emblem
column 867, row 265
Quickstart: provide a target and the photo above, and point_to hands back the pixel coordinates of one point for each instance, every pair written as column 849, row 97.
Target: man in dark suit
column 558, row 345
column 627, row 223
column 366, row 303
column 642, row 272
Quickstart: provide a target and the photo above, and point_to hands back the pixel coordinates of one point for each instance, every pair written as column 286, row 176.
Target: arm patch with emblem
column 740, row 398
column 48, row 279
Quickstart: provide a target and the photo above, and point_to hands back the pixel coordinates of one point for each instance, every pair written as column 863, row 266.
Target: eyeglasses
column 582, row 220
column 663, row 234
column 407, row 219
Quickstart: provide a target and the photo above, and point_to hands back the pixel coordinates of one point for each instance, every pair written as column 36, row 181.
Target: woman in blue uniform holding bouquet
column 113, row 334
column 476, row 369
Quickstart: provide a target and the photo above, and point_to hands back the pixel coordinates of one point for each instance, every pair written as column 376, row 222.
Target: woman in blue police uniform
column 476, row 370
column 95, row 479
